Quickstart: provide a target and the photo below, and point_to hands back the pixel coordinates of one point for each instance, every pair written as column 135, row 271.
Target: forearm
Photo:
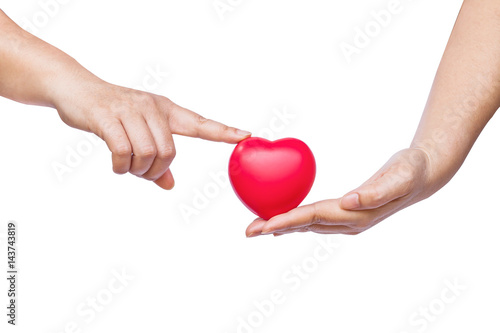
column 465, row 93
column 32, row 71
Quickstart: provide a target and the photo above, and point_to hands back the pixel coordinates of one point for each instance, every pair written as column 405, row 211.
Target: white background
column 201, row 274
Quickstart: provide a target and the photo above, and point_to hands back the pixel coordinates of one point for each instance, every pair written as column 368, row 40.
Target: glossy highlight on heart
column 271, row 177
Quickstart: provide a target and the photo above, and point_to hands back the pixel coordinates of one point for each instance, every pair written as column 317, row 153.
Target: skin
column 464, row 97
column 137, row 126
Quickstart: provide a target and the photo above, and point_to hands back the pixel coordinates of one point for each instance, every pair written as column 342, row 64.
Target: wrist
column 68, row 85
column 439, row 168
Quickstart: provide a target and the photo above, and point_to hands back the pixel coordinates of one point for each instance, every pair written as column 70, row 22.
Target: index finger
column 322, row 212
column 296, row 218
column 188, row 123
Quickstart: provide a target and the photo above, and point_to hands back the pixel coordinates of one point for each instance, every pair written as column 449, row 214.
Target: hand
column 402, row 181
column 138, row 126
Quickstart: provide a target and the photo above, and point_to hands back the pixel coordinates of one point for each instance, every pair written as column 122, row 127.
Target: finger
column 378, row 193
column 118, row 143
column 166, row 181
column 165, row 148
column 143, row 144
column 305, row 216
column 321, row 229
column 290, row 231
column 332, row 229
column 296, row 218
column 188, row 123
column 255, row 228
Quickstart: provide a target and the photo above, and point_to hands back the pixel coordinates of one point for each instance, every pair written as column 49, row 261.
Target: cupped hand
column 137, row 127
column 402, row 181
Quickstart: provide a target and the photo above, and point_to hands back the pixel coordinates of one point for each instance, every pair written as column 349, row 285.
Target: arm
column 464, row 96
column 466, row 91
column 137, row 126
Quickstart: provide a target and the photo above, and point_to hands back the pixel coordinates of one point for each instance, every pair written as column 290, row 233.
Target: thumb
column 166, row 181
column 375, row 194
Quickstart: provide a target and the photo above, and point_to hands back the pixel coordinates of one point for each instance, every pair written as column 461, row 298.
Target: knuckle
column 401, row 173
column 119, row 107
column 225, row 128
column 166, row 102
column 122, row 150
column 201, row 121
column 106, row 123
column 376, row 196
column 316, row 214
column 404, row 177
column 147, row 151
column 148, row 101
column 130, row 102
column 166, row 153
column 167, row 106
column 141, row 97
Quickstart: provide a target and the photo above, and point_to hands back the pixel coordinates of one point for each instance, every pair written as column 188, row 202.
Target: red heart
column 271, row 177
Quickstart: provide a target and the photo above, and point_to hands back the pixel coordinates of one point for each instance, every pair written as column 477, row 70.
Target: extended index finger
column 188, row 123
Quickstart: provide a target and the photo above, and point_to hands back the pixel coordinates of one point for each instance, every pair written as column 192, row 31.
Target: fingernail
column 243, row 133
column 266, row 232
column 251, row 235
column 351, row 201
